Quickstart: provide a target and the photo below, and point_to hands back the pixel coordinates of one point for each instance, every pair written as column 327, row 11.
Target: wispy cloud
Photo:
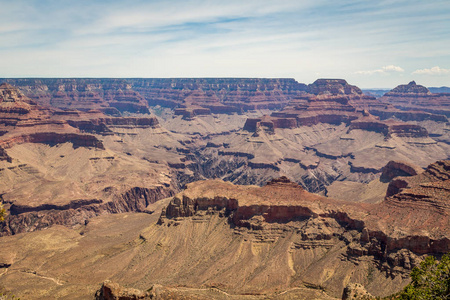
column 432, row 71
column 383, row 70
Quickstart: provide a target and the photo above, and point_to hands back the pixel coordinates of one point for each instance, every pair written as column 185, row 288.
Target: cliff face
column 109, row 95
column 25, row 122
column 395, row 233
column 414, row 97
column 56, row 169
column 28, row 218
column 217, row 95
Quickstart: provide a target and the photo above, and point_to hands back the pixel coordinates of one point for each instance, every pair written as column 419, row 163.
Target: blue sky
column 369, row 43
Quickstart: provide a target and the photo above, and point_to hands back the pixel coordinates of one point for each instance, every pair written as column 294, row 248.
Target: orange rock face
column 415, row 219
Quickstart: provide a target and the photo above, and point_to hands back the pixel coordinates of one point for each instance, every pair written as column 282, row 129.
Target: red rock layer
column 31, row 218
column 24, row 122
column 108, row 95
column 334, row 101
column 415, row 219
column 389, row 128
column 219, row 95
column 429, row 190
column 414, row 97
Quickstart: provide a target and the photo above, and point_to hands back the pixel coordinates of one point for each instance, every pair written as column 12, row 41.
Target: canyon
column 219, row 187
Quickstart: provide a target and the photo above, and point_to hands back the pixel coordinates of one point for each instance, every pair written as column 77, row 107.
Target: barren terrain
column 90, row 167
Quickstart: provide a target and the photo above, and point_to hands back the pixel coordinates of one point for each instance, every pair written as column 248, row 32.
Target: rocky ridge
column 414, row 97
column 21, row 121
column 386, row 232
column 111, row 96
column 190, row 95
column 41, row 188
column 288, row 142
column 219, row 240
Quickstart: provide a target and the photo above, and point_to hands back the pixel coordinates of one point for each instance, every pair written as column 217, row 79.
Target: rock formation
column 24, row 122
column 41, row 188
column 78, row 173
column 216, row 239
column 399, row 168
column 111, row 96
column 356, row 291
column 414, row 97
column 113, row 291
column 410, row 88
column 396, row 232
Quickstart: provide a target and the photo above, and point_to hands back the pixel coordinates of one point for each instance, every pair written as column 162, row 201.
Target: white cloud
column 392, row 68
column 383, row 70
column 432, row 71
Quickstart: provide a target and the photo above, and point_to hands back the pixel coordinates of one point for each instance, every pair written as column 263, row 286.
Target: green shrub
column 431, row 280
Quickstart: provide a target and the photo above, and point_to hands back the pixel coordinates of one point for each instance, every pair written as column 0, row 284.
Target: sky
column 371, row 44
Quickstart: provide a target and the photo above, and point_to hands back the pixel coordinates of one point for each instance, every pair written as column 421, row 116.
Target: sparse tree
column 431, row 280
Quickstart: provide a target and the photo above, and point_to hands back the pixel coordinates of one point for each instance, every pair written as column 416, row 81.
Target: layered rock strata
column 414, row 97
column 111, row 96
column 27, row 218
column 25, row 122
column 41, row 188
column 191, row 95
column 395, row 233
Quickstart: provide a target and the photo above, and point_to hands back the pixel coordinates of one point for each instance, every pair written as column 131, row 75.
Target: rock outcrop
column 113, row 291
column 111, row 96
column 399, row 168
column 191, row 95
column 415, row 220
column 429, row 190
column 27, row 218
column 414, row 97
column 355, row 291
column 410, row 88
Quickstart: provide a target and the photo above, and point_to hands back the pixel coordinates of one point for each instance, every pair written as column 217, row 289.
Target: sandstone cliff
column 395, row 233
column 216, row 239
column 414, row 97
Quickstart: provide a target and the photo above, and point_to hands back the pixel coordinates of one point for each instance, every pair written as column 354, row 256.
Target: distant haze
column 371, row 44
